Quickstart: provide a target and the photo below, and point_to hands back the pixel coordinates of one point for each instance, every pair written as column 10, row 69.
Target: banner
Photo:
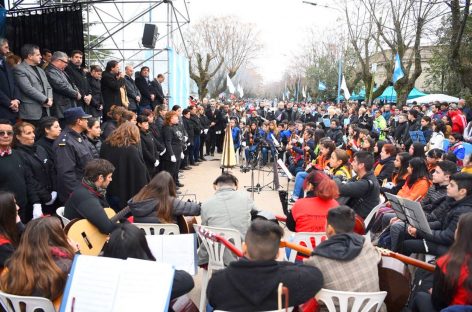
column 179, row 79
column 321, row 86
column 347, row 94
column 230, row 84
column 397, row 72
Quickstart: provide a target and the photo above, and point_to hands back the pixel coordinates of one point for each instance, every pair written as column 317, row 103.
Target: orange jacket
column 417, row 191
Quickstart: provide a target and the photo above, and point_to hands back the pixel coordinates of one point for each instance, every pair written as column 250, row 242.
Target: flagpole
column 340, row 68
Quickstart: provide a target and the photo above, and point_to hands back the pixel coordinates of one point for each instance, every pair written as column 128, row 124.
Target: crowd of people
column 88, row 139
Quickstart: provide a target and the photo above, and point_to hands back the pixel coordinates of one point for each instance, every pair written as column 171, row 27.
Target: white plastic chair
column 362, row 301
column 159, row 228
column 60, row 213
column 12, row 303
column 309, row 239
column 372, row 213
column 216, row 253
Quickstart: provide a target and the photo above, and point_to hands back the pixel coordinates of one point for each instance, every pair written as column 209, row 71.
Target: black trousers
column 211, row 141
column 422, row 303
column 203, row 141
column 410, row 246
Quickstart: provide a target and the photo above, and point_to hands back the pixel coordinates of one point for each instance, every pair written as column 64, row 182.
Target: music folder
column 101, row 284
column 409, row 212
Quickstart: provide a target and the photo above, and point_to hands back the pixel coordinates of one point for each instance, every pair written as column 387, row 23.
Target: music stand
column 409, row 212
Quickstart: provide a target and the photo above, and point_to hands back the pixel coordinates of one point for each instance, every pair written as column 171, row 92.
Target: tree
column 401, row 24
column 219, row 46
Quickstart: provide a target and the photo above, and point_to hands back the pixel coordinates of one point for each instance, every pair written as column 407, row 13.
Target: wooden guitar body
column 89, row 238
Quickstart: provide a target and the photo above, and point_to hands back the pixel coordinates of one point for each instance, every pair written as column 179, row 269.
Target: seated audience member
column 363, row 191
column 309, row 214
column 157, row 202
column 456, row 146
column 417, row 183
column 417, row 149
column 386, row 166
column 10, row 226
column 128, row 241
column 399, row 176
column 251, row 283
column 467, row 164
column 452, row 278
column 88, row 200
column 438, row 242
column 41, row 264
column 432, row 158
column 348, row 261
column 339, row 164
column 228, row 208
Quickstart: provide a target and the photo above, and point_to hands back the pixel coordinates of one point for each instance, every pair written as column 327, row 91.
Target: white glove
column 173, row 158
column 53, row 198
column 182, row 155
column 185, row 138
column 163, row 152
column 37, row 211
column 156, row 163
column 205, row 131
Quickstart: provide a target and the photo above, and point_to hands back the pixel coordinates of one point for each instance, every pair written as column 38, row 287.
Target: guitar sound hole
column 84, row 236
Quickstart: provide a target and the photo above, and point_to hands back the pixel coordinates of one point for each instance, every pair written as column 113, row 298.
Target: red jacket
column 462, row 296
column 310, row 214
column 458, row 121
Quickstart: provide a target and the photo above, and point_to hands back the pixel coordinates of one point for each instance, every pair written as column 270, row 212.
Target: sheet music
column 410, row 211
column 144, row 286
column 285, row 169
column 179, row 251
column 396, row 206
column 94, row 283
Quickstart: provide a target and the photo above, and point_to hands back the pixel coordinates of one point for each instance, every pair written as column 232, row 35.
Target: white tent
column 434, row 97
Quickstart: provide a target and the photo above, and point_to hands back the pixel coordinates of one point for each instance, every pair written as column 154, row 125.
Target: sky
column 282, row 25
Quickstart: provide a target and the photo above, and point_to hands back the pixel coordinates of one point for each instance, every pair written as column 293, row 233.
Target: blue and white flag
column 397, row 72
column 230, row 85
column 321, row 86
column 179, row 79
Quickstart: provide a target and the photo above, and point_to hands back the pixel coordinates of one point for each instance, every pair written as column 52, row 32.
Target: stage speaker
column 150, row 35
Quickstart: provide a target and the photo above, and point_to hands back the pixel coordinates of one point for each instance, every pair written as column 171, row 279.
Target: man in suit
column 144, row 86
column 134, row 96
column 156, row 85
column 36, row 96
column 65, row 92
column 111, row 83
column 77, row 75
column 9, row 93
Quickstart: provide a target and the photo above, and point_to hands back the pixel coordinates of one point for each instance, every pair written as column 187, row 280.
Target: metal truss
column 113, row 29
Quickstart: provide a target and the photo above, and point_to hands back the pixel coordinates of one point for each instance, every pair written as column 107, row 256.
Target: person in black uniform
column 156, row 86
column 88, row 198
column 221, row 121
column 72, row 152
column 173, row 140
column 148, row 146
column 212, row 115
column 144, row 86
column 93, row 78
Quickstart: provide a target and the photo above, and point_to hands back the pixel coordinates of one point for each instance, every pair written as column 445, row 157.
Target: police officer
column 72, row 152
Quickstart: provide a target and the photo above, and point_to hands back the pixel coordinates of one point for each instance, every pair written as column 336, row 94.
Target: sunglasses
column 6, row 133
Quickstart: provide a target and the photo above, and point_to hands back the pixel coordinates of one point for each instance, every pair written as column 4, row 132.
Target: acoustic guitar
column 87, row 236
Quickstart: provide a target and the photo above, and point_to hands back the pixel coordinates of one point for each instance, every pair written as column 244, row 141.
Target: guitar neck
column 299, row 248
column 412, row 261
column 230, row 246
column 123, row 212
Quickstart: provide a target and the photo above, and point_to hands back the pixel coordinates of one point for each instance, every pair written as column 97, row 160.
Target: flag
column 321, row 86
column 240, row 90
column 230, row 84
column 347, row 94
column 397, row 72
column 304, row 92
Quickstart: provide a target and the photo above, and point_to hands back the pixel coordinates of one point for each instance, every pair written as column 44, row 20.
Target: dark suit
column 111, row 85
column 157, row 88
column 144, row 87
column 132, row 91
column 64, row 91
column 34, row 90
column 78, row 77
column 97, row 100
column 8, row 92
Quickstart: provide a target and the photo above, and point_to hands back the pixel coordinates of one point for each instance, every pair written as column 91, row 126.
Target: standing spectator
column 222, row 120
column 205, row 124
column 93, row 78
column 35, row 92
column 144, row 86
column 197, row 131
column 36, row 159
column 9, row 93
column 79, row 79
column 122, row 149
column 46, row 58
column 156, row 86
column 72, row 152
column 64, row 90
column 212, row 115
column 458, row 119
column 132, row 91
column 111, row 84
column 14, row 176
column 191, row 128
column 148, row 146
column 173, row 140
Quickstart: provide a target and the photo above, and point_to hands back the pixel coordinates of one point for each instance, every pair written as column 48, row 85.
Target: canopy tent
column 390, row 95
column 435, row 97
